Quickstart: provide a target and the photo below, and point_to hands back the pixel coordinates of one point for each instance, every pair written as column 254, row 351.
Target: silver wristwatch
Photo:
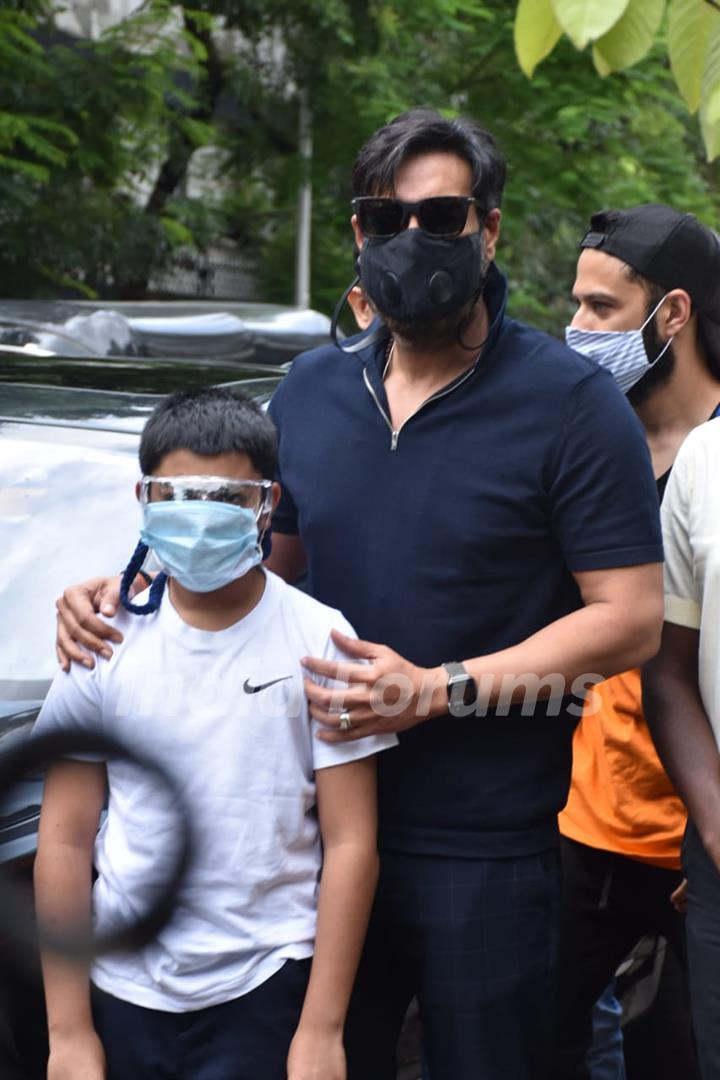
column 462, row 691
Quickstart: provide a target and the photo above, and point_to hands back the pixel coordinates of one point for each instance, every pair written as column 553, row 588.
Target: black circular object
column 18, row 918
column 441, row 287
column 391, row 288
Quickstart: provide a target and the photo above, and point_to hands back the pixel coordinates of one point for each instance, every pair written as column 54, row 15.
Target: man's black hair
column 423, row 131
column 209, row 420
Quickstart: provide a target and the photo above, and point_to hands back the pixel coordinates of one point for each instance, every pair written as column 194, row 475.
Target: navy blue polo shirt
column 458, row 537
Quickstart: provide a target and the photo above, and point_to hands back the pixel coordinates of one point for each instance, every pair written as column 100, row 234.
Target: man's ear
column 137, row 491
column 360, row 307
column 491, row 229
column 674, row 313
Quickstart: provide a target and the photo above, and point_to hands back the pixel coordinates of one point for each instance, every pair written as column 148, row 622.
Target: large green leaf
column 588, row 20
column 537, row 32
column 691, row 24
column 630, row 38
column 710, row 94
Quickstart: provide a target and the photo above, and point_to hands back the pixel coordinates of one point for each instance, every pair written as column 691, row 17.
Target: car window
column 67, row 512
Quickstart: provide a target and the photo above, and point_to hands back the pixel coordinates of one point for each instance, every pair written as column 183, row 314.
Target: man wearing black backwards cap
column 648, row 295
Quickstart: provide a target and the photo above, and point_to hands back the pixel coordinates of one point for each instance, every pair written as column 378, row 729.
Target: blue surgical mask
column 621, row 352
column 202, row 544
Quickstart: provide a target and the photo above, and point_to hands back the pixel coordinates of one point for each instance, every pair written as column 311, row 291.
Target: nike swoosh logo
column 263, row 686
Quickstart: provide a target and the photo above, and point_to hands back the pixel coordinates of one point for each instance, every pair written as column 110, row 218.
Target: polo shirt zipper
column 395, row 434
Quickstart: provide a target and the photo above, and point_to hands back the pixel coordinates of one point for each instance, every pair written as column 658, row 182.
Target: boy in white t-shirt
column 209, row 683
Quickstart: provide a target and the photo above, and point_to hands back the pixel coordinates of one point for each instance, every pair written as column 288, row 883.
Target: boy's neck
column 221, row 608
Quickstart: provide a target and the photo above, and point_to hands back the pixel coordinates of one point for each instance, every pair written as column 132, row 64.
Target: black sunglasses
column 442, row 215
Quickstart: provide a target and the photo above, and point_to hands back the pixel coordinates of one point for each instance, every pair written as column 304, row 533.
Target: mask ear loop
column 669, row 341
column 130, row 573
column 264, row 543
column 654, row 312
column 374, row 333
column 478, row 348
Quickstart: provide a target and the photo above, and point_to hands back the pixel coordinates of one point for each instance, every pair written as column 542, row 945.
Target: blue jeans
column 605, row 1059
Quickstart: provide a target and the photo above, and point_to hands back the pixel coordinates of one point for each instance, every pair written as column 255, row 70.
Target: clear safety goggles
column 255, row 495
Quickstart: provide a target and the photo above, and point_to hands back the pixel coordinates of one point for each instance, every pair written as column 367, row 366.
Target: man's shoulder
column 316, row 369
column 548, row 355
column 544, row 373
column 326, row 358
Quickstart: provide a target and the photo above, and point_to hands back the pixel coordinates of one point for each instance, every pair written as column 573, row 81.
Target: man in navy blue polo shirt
column 470, row 493
column 464, row 489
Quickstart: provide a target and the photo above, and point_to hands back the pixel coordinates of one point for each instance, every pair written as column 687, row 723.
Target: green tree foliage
column 574, row 143
column 84, row 129
column 622, row 33
column 97, row 138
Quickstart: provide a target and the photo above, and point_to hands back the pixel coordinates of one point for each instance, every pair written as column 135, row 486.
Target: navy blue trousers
column 475, row 940
column 244, row 1039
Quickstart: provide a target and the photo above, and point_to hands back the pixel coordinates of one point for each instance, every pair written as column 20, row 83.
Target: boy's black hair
column 423, row 131
column 210, row 420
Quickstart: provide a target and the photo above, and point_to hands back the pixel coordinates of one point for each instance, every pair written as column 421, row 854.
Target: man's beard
column 441, row 332
column 659, row 374
column 433, row 333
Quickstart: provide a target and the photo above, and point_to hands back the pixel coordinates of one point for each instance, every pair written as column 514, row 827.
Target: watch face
column 461, row 688
column 469, row 692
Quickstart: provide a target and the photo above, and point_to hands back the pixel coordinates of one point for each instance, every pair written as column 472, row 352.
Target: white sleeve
column 327, row 754
column 73, row 702
column 682, row 590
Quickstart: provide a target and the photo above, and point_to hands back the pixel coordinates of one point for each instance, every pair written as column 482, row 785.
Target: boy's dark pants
column 475, row 940
column 244, row 1039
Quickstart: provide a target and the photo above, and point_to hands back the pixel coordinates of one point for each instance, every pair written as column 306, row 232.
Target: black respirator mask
column 414, row 277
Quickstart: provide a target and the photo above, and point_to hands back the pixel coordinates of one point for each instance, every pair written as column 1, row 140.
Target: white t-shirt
column 224, row 712
column 691, row 537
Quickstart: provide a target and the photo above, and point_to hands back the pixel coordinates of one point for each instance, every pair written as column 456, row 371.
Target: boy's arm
column 71, row 808
column 346, row 798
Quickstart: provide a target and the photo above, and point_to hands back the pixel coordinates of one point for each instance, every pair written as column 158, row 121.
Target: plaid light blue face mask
column 621, row 352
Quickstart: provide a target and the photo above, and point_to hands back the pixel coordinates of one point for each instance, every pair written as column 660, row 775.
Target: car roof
column 106, row 392
column 228, row 332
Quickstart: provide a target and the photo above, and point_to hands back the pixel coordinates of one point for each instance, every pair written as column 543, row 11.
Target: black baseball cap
column 665, row 246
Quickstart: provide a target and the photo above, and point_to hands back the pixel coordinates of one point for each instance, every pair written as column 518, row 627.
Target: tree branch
column 182, row 148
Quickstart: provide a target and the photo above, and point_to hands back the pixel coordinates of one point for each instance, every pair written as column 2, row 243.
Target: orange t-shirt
column 621, row 799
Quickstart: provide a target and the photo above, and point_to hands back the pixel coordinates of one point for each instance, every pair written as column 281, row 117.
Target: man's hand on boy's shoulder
column 79, row 631
column 385, row 693
column 316, row 1055
column 77, row 1057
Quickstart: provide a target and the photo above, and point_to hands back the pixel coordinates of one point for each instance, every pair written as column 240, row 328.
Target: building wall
column 88, row 18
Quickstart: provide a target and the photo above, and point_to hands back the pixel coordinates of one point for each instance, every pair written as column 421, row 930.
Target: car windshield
column 67, row 513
